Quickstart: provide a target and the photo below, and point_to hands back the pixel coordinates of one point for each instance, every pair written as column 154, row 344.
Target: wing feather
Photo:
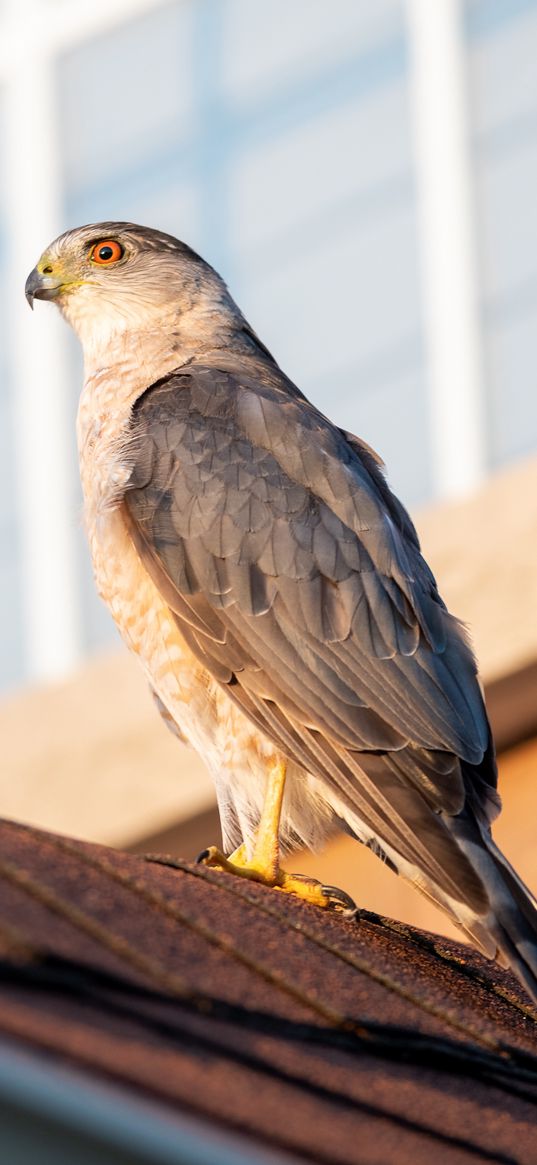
column 297, row 578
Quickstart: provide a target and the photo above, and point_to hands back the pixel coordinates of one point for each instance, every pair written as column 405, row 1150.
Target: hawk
column 255, row 559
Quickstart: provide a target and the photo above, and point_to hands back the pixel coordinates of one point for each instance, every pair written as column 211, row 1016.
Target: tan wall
column 483, row 551
column 92, row 758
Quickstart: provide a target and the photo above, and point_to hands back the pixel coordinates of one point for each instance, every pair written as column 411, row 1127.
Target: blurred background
column 363, row 173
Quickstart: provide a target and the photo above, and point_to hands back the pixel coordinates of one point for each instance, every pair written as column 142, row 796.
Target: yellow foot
column 327, row 897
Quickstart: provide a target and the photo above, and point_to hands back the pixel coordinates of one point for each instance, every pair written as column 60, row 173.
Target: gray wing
column 296, row 577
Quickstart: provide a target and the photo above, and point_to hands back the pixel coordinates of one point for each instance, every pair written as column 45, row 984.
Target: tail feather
column 515, row 912
column 511, row 922
column 503, row 924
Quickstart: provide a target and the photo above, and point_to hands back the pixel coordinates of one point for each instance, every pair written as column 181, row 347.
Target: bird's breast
column 141, row 615
column 201, row 708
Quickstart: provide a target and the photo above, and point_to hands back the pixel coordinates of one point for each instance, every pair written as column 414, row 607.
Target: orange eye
column 106, row 252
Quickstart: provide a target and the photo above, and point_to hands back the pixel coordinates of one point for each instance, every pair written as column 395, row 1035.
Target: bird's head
column 116, row 278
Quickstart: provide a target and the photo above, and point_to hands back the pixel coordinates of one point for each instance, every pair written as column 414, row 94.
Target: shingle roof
column 334, row 1041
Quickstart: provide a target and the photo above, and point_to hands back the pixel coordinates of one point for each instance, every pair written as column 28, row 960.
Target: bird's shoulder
column 229, row 412
column 245, row 441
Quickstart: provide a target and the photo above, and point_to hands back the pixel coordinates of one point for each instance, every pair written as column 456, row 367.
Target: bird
column 272, row 586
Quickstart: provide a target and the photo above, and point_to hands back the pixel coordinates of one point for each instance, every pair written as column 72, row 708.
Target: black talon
column 343, row 903
column 202, row 857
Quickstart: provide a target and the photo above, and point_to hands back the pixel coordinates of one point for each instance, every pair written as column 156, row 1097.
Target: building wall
column 277, row 139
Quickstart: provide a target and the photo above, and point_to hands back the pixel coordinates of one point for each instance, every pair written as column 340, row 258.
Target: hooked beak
column 40, row 286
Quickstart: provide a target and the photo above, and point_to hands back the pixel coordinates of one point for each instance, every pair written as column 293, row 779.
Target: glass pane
column 502, row 41
column 11, row 632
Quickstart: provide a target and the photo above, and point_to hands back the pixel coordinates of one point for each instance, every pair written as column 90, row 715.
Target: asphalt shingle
column 335, row 1041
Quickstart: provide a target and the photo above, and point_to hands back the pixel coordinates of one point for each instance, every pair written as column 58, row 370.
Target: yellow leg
column 264, row 865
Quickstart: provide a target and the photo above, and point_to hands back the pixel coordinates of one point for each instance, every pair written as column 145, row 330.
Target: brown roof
column 334, row 1041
